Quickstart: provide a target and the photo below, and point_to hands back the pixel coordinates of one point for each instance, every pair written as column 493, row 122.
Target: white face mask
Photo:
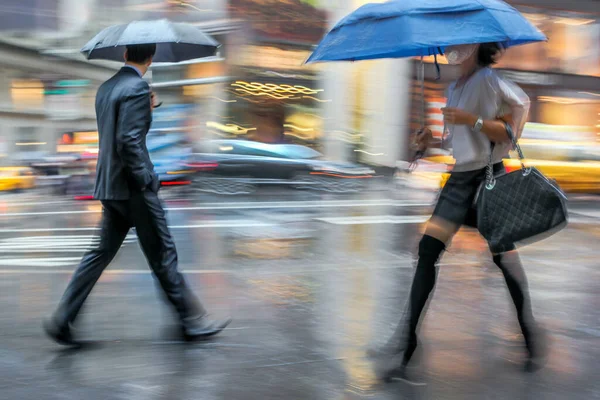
column 458, row 54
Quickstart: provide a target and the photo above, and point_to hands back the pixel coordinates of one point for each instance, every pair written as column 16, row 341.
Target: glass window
column 572, row 47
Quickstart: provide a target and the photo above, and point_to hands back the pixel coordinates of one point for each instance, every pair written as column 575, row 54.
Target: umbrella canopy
column 406, row 28
column 175, row 42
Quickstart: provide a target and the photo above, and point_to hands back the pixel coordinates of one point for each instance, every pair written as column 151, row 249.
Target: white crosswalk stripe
column 52, row 244
column 24, row 251
column 39, row 262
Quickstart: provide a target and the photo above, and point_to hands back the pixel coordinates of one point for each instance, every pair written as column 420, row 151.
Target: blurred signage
column 297, row 21
column 268, row 57
column 532, row 78
column 180, row 10
column 205, row 70
column 58, row 92
column 27, row 93
column 78, row 142
column 89, row 137
column 73, row 83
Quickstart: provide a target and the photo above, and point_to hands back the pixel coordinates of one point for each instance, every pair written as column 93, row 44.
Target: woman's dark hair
column 488, row 53
column 140, row 53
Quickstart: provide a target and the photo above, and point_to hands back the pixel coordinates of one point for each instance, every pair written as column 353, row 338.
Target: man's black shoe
column 60, row 334
column 201, row 328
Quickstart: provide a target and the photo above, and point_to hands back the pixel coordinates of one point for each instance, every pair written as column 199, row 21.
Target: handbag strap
column 489, row 172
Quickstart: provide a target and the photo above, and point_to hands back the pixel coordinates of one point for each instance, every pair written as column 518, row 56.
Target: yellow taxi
column 570, row 155
column 16, row 178
column 571, row 176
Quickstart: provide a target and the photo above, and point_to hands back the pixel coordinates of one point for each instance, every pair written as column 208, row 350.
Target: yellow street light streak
column 297, row 128
column 222, row 100
column 366, row 152
column 275, row 96
column 315, row 99
column 299, row 136
column 30, row 143
column 229, row 128
column 272, row 87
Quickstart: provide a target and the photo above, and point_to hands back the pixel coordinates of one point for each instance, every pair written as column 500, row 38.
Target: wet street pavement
column 312, row 281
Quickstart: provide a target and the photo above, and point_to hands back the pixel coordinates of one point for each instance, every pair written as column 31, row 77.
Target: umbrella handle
column 421, row 77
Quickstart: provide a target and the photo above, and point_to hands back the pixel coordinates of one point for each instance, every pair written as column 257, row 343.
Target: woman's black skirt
column 455, row 202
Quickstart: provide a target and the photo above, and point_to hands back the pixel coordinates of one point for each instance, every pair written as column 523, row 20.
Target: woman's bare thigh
column 441, row 229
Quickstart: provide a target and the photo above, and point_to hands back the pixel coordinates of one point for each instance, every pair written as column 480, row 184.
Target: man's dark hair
column 488, row 53
column 140, row 53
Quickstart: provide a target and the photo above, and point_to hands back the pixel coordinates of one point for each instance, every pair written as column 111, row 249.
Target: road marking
column 252, row 206
column 237, row 223
column 408, row 264
column 241, row 223
column 23, row 202
column 586, row 213
column 109, row 272
column 39, row 262
column 225, row 224
column 366, row 220
column 47, row 230
column 376, row 219
column 52, row 244
column 26, row 214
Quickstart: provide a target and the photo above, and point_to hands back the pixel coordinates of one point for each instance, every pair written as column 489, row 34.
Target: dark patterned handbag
column 519, row 207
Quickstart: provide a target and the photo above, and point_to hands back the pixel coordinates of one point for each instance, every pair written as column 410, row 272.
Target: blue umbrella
column 405, row 28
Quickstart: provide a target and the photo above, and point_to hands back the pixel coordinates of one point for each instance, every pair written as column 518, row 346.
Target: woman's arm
column 494, row 129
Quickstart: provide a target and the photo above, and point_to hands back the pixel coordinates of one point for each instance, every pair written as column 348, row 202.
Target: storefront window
column 27, row 93
column 572, row 47
column 27, row 140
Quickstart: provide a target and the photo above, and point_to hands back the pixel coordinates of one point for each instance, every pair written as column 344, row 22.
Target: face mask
column 459, row 54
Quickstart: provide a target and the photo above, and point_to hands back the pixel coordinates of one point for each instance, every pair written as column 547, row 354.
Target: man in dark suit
column 127, row 186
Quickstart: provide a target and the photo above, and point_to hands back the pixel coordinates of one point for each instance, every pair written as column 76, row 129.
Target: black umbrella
column 175, row 42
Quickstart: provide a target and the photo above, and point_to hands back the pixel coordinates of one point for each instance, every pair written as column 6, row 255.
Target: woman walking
column 480, row 104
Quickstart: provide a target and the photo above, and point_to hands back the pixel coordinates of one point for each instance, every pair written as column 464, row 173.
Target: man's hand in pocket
column 155, row 185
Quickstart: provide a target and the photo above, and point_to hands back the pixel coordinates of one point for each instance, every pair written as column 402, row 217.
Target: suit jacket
column 124, row 116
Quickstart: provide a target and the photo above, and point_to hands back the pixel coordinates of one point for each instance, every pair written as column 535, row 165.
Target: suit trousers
column 143, row 211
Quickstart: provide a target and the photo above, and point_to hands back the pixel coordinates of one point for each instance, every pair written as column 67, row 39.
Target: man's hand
column 423, row 139
column 154, row 103
column 456, row 116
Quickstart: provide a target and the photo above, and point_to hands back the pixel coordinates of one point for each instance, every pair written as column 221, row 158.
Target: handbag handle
column 489, row 172
column 513, row 139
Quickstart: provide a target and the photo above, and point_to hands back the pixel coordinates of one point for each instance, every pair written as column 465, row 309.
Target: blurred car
column 72, row 175
column 16, row 178
column 239, row 166
column 170, row 165
column 571, row 176
column 166, row 152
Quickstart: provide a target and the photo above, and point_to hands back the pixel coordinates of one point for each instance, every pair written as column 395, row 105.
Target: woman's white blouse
column 490, row 96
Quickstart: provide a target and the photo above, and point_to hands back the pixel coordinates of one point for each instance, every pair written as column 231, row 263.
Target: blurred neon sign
column 273, row 58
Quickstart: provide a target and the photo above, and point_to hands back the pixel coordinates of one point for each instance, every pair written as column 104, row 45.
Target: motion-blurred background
column 258, row 89
column 287, row 193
